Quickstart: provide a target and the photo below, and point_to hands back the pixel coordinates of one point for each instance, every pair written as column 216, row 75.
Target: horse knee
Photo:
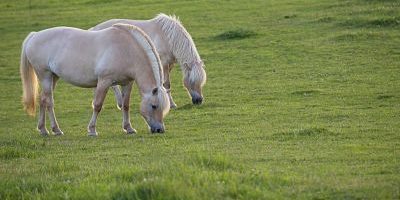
column 43, row 100
column 125, row 107
column 97, row 107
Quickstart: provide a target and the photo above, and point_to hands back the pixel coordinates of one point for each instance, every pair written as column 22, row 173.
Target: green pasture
column 302, row 101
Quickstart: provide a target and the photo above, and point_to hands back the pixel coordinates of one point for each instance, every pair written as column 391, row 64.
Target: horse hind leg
column 118, row 96
column 53, row 121
column 42, row 115
column 167, row 85
column 126, row 121
column 47, row 103
column 46, row 87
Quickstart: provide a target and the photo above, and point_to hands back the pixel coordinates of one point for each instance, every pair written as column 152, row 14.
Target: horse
column 119, row 55
column 174, row 44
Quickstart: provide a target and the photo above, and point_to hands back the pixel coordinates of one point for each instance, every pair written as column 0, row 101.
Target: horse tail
column 29, row 80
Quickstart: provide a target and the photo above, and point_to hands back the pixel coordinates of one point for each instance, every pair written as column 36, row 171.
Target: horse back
column 80, row 57
column 152, row 29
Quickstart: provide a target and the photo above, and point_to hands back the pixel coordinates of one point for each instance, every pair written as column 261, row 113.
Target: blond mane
column 180, row 41
column 148, row 46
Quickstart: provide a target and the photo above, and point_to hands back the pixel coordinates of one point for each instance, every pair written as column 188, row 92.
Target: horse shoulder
column 116, row 46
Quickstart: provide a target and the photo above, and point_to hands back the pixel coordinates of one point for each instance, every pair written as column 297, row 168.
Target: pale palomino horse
column 120, row 55
column 174, row 44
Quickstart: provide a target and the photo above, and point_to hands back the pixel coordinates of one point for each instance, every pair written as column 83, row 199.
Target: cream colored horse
column 173, row 44
column 119, row 55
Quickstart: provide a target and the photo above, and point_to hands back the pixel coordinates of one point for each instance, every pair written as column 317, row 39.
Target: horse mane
column 145, row 42
column 180, row 41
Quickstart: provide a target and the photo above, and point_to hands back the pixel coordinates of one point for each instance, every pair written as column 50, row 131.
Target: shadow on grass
column 236, row 34
column 306, row 93
column 325, row 19
column 382, row 97
column 372, row 23
column 359, row 36
column 94, row 2
column 306, row 133
column 190, row 106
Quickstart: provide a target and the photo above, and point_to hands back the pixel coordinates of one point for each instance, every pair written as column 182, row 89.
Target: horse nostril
column 157, row 130
column 197, row 100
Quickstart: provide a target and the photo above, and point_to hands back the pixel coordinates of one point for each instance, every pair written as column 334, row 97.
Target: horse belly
column 80, row 76
column 83, row 82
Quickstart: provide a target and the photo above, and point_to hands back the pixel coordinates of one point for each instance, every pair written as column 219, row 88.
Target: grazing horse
column 174, row 44
column 119, row 55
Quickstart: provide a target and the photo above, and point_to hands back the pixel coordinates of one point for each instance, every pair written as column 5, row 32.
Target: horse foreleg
column 167, row 85
column 126, row 120
column 99, row 95
column 118, row 96
column 50, row 108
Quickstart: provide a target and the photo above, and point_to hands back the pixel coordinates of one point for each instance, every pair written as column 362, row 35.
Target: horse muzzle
column 157, row 129
column 197, row 100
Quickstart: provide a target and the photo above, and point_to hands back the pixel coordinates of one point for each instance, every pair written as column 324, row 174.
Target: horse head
column 194, row 80
column 154, row 107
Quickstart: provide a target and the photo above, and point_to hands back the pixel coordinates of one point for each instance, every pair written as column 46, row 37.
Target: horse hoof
column 44, row 134
column 58, row 133
column 92, row 134
column 131, row 131
column 173, row 106
column 43, row 131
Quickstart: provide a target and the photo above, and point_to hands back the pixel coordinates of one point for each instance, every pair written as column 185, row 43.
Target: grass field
column 302, row 101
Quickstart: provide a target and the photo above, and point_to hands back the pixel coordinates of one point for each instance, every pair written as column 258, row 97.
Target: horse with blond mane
column 174, row 44
column 117, row 55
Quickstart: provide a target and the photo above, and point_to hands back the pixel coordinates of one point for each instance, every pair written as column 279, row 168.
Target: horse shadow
column 190, row 106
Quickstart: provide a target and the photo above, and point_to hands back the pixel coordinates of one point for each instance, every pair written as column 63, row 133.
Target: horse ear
column 155, row 91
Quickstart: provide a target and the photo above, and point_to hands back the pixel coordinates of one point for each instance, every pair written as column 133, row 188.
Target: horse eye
column 154, row 107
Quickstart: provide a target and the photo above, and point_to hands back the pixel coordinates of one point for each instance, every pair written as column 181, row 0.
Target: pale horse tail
column 29, row 80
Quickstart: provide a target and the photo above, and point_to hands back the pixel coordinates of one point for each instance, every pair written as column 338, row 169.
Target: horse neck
column 179, row 41
column 145, row 80
column 186, row 52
